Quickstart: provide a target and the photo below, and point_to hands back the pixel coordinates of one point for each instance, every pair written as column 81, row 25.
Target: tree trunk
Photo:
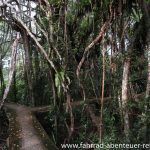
column 38, row 91
column 102, row 92
column 146, row 8
column 147, row 97
column 14, row 87
column 11, row 70
column 148, row 76
column 125, row 97
column 28, row 69
column 1, row 78
column 55, row 98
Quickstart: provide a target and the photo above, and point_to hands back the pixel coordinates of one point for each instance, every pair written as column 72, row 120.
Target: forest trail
column 27, row 131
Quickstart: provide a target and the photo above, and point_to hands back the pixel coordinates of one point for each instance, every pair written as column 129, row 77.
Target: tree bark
column 125, row 97
column 11, row 70
column 14, row 87
column 146, row 8
column 1, row 78
column 28, row 69
column 148, row 75
column 38, row 90
column 102, row 92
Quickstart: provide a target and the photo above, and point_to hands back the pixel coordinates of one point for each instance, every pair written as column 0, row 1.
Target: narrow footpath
column 26, row 133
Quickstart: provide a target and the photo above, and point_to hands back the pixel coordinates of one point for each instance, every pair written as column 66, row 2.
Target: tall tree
column 11, row 70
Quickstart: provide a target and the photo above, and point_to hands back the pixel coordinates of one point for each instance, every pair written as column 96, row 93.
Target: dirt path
column 26, row 130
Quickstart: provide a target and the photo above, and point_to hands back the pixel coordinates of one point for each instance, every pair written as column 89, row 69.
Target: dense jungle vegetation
column 85, row 63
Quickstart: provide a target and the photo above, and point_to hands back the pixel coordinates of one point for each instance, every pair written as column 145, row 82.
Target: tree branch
column 11, row 70
column 96, row 40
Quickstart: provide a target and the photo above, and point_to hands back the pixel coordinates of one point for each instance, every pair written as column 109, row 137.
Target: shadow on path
column 26, row 133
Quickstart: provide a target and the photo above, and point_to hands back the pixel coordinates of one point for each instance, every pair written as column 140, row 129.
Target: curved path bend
column 26, row 133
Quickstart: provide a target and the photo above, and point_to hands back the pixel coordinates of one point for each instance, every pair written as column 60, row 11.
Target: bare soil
column 26, row 133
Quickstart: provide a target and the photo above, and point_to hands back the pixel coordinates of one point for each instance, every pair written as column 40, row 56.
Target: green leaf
column 59, row 78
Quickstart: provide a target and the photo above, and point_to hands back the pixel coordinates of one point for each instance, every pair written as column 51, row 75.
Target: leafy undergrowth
column 85, row 130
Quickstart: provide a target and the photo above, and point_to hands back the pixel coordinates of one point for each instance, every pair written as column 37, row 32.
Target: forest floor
column 26, row 133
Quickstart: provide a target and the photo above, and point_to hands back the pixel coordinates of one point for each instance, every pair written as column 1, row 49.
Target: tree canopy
column 88, row 59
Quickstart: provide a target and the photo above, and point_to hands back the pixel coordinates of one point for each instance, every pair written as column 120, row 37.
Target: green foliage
column 147, row 1
column 59, row 78
column 76, row 23
column 55, row 1
column 136, row 15
column 21, row 88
